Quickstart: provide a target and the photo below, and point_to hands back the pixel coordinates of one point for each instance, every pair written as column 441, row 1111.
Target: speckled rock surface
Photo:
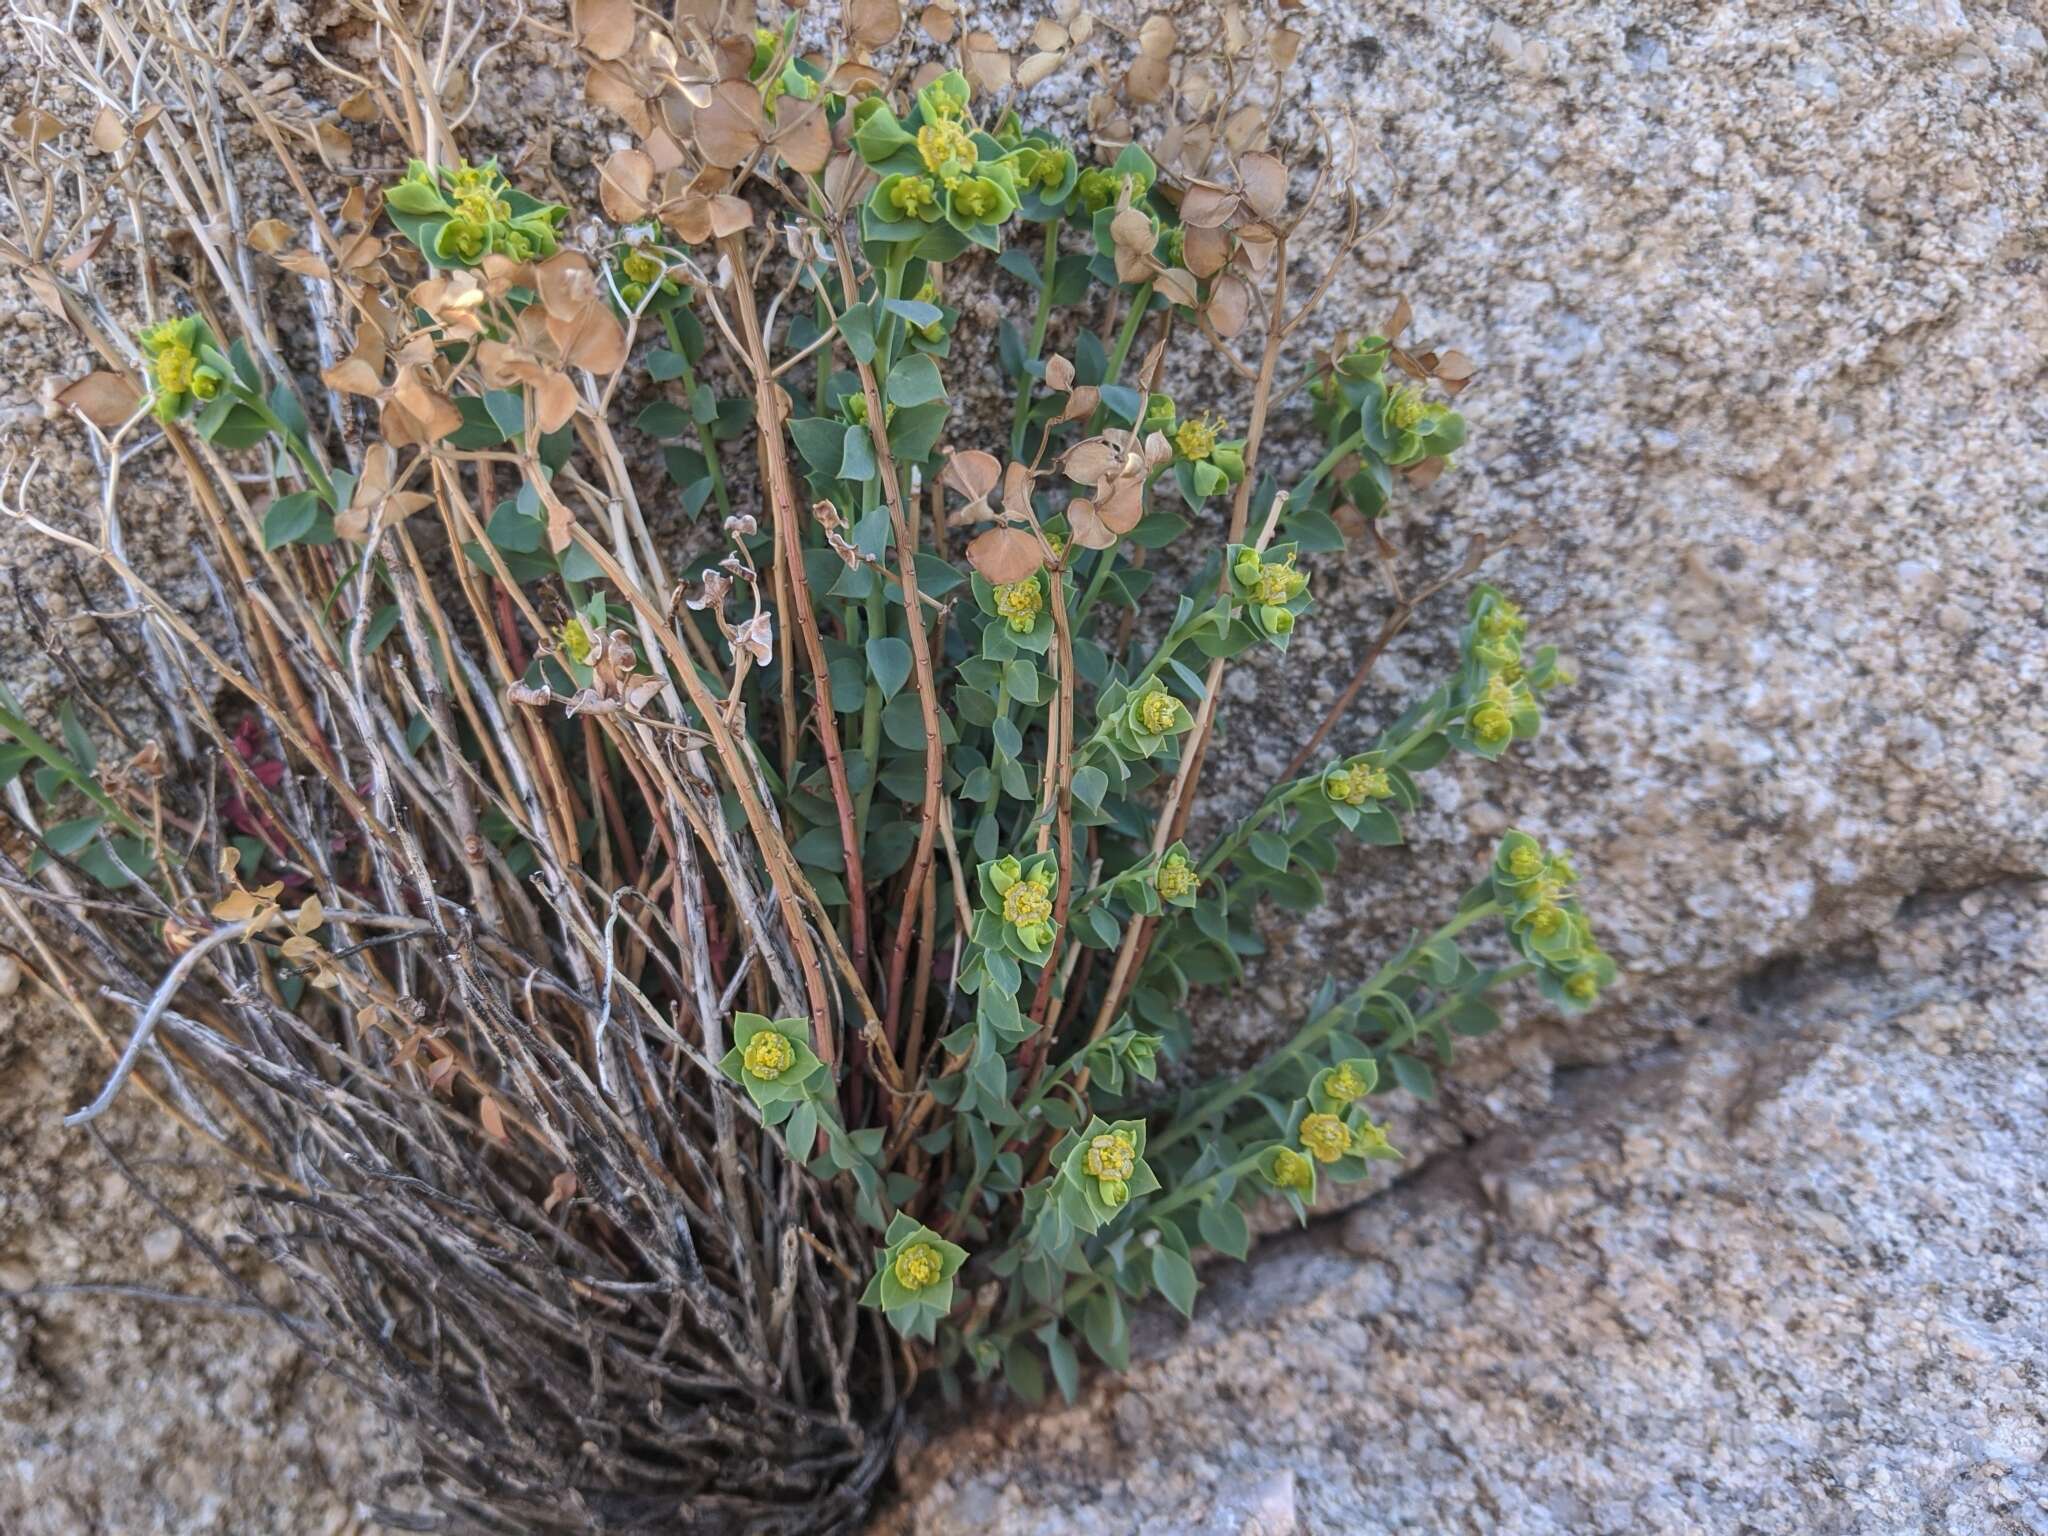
column 1757, row 293
column 1784, row 1278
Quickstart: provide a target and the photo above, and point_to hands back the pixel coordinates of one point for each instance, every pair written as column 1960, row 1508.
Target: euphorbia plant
column 815, row 909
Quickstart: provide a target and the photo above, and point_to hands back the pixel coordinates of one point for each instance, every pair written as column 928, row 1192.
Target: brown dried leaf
column 1178, row 285
column 611, row 87
column 1425, row 473
column 1146, row 80
column 938, row 24
column 1230, row 302
column 1398, row 322
column 623, row 185
column 563, row 1187
column 1454, row 370
column 1207, row 206
column 109, row 133
column 1048, row 35
column 729, row 215
column 1017, row 491
column 873, row 23
column 269, row 236
column 554, row 400
column 594, row 340
column 805, row 141
column 433, row 413
column 984, row 63
column 1039, row 66
column 729, row 128
column 492, row 1118
column 1005, row 554
column 359, row 108
column 1082, row 401
column 604, row 28
column 1205, row 250
column 1085, row 528
column 1122, row 508
column 104, row 399
column 1244, row 128
column 1157, row 37
column 1265, row 183
column 974, row 473
column 1059, row 373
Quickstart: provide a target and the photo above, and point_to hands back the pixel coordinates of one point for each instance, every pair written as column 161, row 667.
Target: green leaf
column 290, row 518
column 1224, row 1228
column 889, row 661
column 915, row 431
column 915, row 381
column 284, row 405
column 1269, row 848
column 857, row 457
column 245, row 367
column 479, row 427
column 1175, row 1277
column 857, row 325
column 1066, row 1365
column 822, row 442
column 77, row 741
column 1023, row 1372
column 1415, row 1077
column 663, row 365
column 664, row 418
column 916, row 311
column 1102, row 1321
column 507, row 407
column 228, row 424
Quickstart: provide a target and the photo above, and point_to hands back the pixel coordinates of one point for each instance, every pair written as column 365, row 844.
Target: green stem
column 1038, row 326
column 1220, row 1098
column 1139, row 301
column 1328, row 462
column 706, row 444
column 877, row 606
column 1104, row 560
column 300, row 453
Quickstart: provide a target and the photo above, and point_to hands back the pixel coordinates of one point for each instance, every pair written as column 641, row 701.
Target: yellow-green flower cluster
column 913, row 1279
column 1178, row 880
column 938, row 166
column 458, row 215
column 1272, row 587
column 1019, row 603
column 1102, row 1169
column 1020, row 894
column 1537, row 890
column 178, row 376
column 1110, row 1160
column 642, row 271
column 1357, row 783
column 1500, row 691
column 772, row 1059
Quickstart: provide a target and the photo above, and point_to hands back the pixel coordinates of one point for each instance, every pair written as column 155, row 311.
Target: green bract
column 1101, row 1170
column 1019, row 895
column 456, row 216
column 913, row 1279
column 771, row 1058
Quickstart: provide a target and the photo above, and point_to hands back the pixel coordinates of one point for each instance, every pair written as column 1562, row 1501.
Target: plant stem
column 706, row 443
column 1038, row 326
column 1312, row 1033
